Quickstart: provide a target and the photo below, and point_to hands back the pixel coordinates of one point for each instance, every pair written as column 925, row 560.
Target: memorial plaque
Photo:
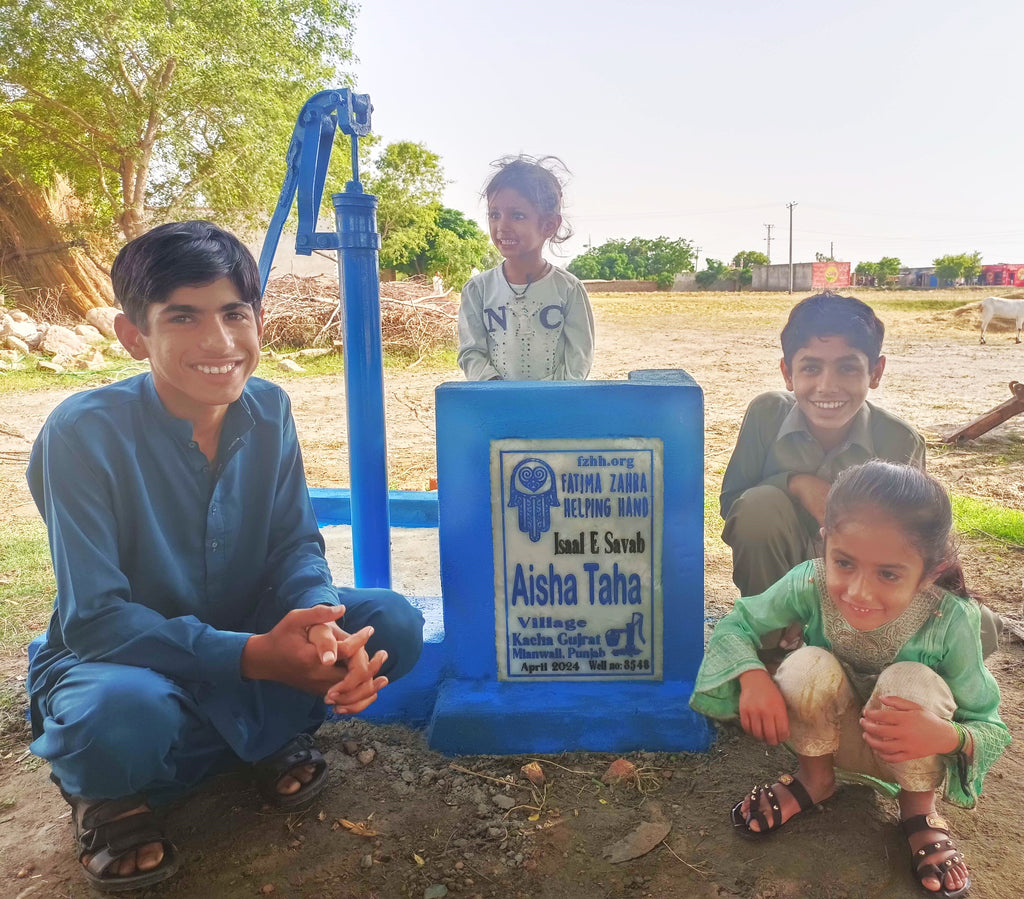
column 577, row 558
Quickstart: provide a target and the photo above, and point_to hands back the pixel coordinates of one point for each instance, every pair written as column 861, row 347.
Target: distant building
column 1002, row 274
column 918, row 277
column 806, row 276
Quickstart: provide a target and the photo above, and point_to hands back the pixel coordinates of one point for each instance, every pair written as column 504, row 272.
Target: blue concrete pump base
column 500, row 718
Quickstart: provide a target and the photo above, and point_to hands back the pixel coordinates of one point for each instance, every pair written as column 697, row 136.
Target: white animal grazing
column 999, row 307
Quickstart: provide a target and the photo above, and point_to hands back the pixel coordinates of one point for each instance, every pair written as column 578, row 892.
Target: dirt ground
column 472, row 827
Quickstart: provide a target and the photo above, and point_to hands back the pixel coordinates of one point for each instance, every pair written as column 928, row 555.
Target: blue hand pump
column 357, row 242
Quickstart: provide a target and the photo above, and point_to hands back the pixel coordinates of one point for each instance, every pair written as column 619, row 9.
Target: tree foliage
column 640, row 258
column 960, row 265
column 749, row 258
column 408, row 181
column 741, row 271
column 879, row 273
column 888, row 268
column 418, row 235
column 455, row 246
column 161, row 106
column 714, row 271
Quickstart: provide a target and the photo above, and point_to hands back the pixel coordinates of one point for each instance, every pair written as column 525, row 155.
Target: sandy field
column 472, row 827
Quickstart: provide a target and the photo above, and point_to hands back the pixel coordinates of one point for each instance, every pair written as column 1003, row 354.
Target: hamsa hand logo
column 532, row 489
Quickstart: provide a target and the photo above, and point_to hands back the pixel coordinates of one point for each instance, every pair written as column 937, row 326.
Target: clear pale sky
column 897, row 127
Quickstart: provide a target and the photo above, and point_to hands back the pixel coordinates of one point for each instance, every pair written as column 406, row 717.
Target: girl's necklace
column 519, row 294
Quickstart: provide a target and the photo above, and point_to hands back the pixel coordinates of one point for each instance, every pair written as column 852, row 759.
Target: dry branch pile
column 303, row 312
column 300, row 312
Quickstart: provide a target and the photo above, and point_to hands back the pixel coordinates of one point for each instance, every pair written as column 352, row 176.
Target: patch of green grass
column 713, row 521
column 328, row 364
column 439, row 359
column 36, row 380
column 26, row 582
column 334, row 363
column 977, row 516
column 26, row 600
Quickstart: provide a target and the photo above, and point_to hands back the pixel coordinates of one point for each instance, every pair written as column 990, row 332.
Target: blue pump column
column 356, row 216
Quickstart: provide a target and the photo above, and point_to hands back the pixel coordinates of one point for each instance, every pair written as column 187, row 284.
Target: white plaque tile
column 577, row 558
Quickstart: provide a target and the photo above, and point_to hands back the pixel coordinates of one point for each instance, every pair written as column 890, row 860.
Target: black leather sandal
column 922, row 868
column 767, row 791
column 298, row 752
column 106, row 841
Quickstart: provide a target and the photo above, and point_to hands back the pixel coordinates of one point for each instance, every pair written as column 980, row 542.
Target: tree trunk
column 35, row 257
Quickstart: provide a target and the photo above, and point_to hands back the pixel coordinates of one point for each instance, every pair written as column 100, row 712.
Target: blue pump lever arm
column 309, row 152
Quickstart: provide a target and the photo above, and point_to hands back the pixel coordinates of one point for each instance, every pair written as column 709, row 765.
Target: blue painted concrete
column 491, row 718
column 474, row 712
column 408, row 508
column 432, row 608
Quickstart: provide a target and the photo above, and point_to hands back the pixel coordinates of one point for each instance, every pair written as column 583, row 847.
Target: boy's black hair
column 181, row 254
column 537, row 181
column 828, row 315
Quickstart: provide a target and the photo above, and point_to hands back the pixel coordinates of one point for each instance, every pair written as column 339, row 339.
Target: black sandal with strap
column 923, row 869
column 765, row 791
column 298, row 752
column 106, row 841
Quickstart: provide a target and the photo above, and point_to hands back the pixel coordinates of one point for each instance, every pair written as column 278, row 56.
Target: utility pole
column 832, row 250
column 790, row 206
column 696, row 258
column 768, row 240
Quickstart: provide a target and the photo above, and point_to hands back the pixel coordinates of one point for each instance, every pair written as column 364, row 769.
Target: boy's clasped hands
column 308, row 650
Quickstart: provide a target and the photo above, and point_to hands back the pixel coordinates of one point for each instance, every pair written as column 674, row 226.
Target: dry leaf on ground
column 358, row 828
column 637, row 842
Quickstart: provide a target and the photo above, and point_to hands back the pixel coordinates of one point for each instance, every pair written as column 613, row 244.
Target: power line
column 887, row 214
column 579, row 215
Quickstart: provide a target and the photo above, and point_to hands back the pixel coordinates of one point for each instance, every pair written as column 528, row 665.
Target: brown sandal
column 761, row 791
column 921, row 868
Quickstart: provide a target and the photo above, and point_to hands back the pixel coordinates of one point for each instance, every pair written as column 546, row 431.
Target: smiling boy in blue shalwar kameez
column 196, row 624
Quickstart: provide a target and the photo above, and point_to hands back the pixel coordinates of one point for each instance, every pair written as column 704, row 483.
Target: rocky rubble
column 28, row 344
